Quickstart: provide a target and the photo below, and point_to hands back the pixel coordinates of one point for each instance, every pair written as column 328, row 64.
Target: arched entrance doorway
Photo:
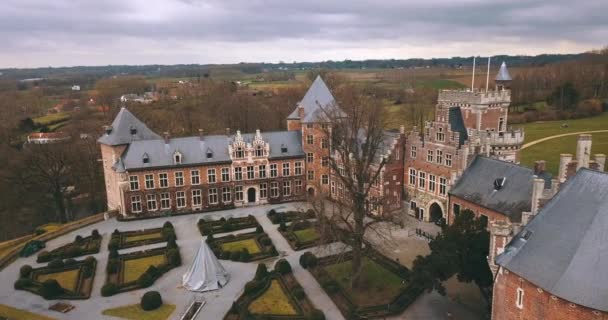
column 251, row 195
column 311, row 192
column 436, row 213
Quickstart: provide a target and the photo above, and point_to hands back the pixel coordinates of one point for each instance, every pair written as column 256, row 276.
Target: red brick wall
column 477, row 209
column 537, row 304
column 318, row 134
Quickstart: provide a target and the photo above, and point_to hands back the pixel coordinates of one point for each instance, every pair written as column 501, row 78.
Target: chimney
column 601, row 161
column 402, row 129
column 539, row 167
column 300, row 112
column 201, row 134
column 227, row 131
column 538, row 185
column 500, row 235
column 564, row 160
column 166, row 137
column 583, row 151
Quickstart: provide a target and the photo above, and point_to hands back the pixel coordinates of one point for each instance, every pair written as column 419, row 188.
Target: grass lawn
column 17, row 314
column 274, row 301
column 307, row 235
column 551, row 149
column 538, row 130
column 379, row 285
column 51, row 118
column 135, row 312
column 248, row 244
column 67, row 279
column 146, row 236
column 134, row 268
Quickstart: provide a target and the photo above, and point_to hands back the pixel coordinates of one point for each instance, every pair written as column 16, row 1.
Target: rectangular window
column 324, row 143
column 422, row 180
column 325, row 161
column 310, row 157
column 134, row 183
column 286, row 188
column 413, row 153
column 456, row 209
column 225, row 174
column 333, row 187
column 163, row 180
column 439, row 157
column 238, row 193
column 149, row 181
column 413, row 177
column 180, row 199
column 340, row 190
column 211, row 175
column 309, row 139
column 429, row 156
column 165, row 201
column 432, row 182
column 135, row 203
column 309, row 126
column 238, row 174
column 179, row 179
column 413, row 205
column 213, row 196
column 262, row 171
column 443, row 186
column 250, row 173
column 298, row 168
column 325, row 179
column 440, row 134
column 197, row 198
column 501, row 124
column 519, row 302
column 286, row 169
column 226, row 197
column 448, row 159
column 311, row 175
column 195, row 177
column 151, row 202
column 273, row 170
column 298, row 186
column 274, row 189
column 263, row 191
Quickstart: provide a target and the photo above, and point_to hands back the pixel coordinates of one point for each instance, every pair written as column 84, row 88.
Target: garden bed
column 81, row 246
column 140, row 269
column 226, row 225
column 69, row 279
column 383, row 289
column 301, row 234
column 277, row 217
column 244, row 247
column 273, row 295
column 130, row 239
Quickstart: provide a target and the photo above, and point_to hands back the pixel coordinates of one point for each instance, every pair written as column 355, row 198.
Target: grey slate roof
column 457, row 124
column 317, row 101
column 121, row 130
column 503, row 73
column 477, row 185
column 194, row 150
column 566, row 253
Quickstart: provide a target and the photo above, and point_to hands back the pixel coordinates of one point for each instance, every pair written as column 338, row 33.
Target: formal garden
column 79, row 247
column 301, row 234
column 244, row 247
column 273, row 295
column 208, row 227
column 276, row 217
column 130, row 239
column 60, row 279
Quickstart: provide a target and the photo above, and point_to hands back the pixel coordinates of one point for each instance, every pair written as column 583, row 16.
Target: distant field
column 541, row 129
column 50, row 119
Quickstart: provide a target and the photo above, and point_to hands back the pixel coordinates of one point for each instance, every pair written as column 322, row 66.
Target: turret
column 503, row 78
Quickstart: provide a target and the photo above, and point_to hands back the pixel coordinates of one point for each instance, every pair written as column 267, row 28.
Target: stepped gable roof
column 564, row 249
column 125, row 129
column 457, row 124
column 498, row 185
column 503, row 73
column 317, row 102
column 194, row 150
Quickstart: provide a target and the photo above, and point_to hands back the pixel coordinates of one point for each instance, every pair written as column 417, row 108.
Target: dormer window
column 209, row 154
column 133, row 130
column 145, row 158
column 239, row 153
column 259, row 152
column 177, row 158
column 499, row 183
column 283, row 148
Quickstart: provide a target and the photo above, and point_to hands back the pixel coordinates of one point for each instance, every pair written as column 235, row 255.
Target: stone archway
column 311, row 192
column 251, row 195
column 436, row 213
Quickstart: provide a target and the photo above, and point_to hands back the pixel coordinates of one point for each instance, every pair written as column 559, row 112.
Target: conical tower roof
column 503, row 73
column 126, row 128
column 206, row 272
column 317, row 98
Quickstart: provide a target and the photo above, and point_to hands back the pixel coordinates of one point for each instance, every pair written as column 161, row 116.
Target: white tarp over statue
column 206, row 272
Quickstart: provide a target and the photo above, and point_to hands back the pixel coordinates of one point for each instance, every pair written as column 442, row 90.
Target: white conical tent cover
column 206, row 272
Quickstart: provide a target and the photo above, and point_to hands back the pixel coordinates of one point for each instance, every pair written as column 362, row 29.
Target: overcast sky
column 36, row 33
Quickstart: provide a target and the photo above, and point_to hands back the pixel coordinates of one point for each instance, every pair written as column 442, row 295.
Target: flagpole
column 473, row 78
column 488, row 75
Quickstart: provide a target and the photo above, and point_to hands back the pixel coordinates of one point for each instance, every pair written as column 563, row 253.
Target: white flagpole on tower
column 473, row 79
column 488, row 75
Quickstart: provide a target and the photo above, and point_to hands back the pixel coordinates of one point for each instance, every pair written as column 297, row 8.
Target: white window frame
column 226, row 194
column 443, row 186
column 250, row 172
column 298, row 168
column 298, row 186
column 225, row 174
column 439, row 156
column 263, row 191
column 286, row 188
column 163, row 177
column 422, row 180
column 310, row 157
column 325, row 179
column 262, row 171
column 149, row 181
column 238, row 174
column 519, row 298
column 179, row 177
column 274, row 189
column 310, row 139
column 310, row 175
column 413, row 177
column 151, row 202
column 238, row 193
column 273, row 170
column 195, row 177
column 432, row 182
column 134, row 183
column 197, row 198
column 211, row 177
column 136, row 206
column 448, row 159
column 165, row 196
column 180, row 199
column 286, row 169
column 413, row 152
column 430, row 156
column 212, row 196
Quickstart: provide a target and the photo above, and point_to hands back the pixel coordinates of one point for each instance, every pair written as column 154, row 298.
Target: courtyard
column 405, row 247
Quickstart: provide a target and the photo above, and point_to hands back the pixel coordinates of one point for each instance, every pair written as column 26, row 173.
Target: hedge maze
column 227, row 225
column 60, row 279
column 81, row 246
column 244, row 247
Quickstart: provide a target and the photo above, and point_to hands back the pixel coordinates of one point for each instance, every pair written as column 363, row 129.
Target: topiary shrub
column 151, row 300
column 109, row 289
column 70, row 262
column 317, row 314
column 87, row 271
column 116, row 232
column 173, row 257
column 222, row 219
column 146, row 279
column 272, row 212
column 282, row 226
column 168, row 233
column 79, row 239
column 56, row 263
column 168, row 225
column 299, row 293
column 259, row 229
column 210, row 238
column 265, row 241
column 25, row 271
column 113, row 254
column 252, row 286
column 95, row 234
column 114, row 244
column 235, row 255
column 283, row 266
column 308, row 260
column 44, row 256
column 261, row 272
column 244, row 256
column 112, row 266
column 23, row 283
column 73, row 251
column 273, row 251
column 90, row 261
column 50, row 289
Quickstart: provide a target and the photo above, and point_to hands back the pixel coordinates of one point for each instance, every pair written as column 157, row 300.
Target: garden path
column 531, row 143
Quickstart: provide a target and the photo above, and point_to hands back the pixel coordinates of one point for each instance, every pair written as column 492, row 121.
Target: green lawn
column 51, row 118
column 134, row 268
column 67, row 279
column 551, row 149
column 272, row 302
column 307, row 235
column 379, row 286
column 145, row 236
column 248, row 244
column 541, row 129
column 135, row 312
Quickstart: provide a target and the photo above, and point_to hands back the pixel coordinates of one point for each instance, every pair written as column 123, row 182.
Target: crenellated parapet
column 476, row 97
column 512, row 137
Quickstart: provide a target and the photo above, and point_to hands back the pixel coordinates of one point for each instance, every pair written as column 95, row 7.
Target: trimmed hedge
column 288, row 216
column 226, row 225
column 266, row 246
column 79, row 247
column 151, row 300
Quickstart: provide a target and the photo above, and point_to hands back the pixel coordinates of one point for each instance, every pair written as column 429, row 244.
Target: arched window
column 239, row 153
